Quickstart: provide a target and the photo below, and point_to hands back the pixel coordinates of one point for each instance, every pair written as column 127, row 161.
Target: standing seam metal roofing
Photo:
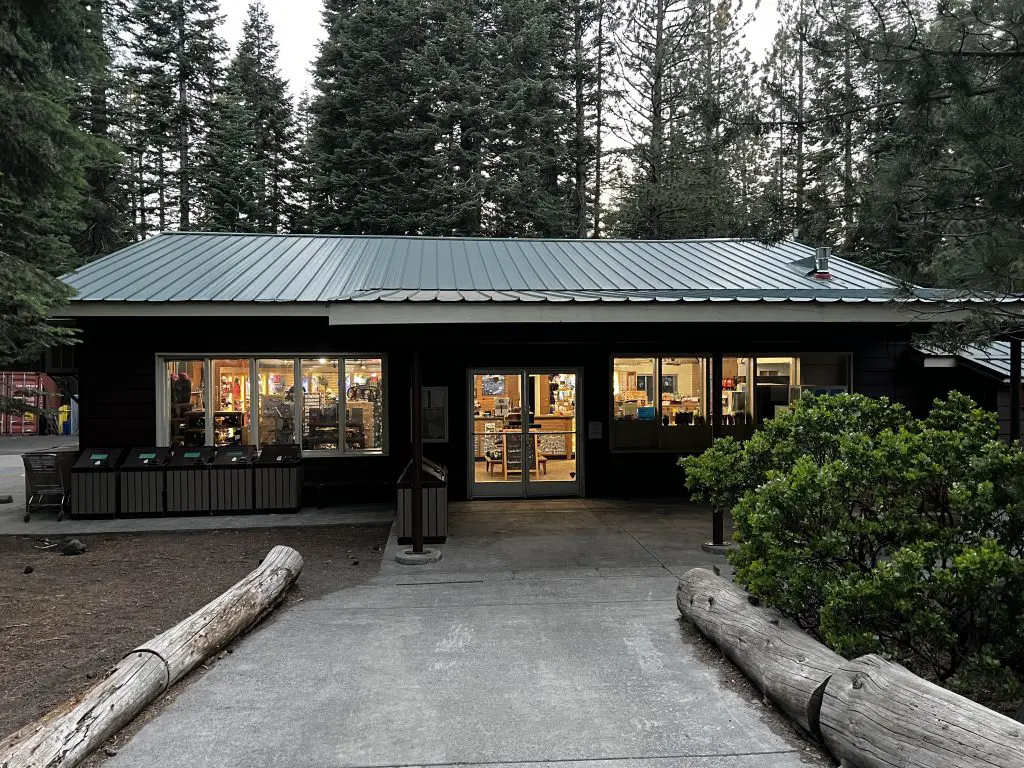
column 226, row 267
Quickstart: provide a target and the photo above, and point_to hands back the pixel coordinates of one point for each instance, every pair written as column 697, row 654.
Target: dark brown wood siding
column 118, row 378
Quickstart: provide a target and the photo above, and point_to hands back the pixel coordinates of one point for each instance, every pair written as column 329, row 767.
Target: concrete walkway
column 547, row 636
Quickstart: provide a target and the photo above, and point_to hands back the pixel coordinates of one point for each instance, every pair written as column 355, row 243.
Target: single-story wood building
column 549, row 367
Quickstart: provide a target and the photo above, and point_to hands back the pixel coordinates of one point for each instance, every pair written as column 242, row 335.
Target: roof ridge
column 596, row 241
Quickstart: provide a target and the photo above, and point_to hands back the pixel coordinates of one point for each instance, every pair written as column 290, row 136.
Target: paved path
column 542, row 638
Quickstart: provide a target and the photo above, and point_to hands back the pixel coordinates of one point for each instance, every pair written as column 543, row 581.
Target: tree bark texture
column 67, row 735
column 876, row 714
column 789, row 666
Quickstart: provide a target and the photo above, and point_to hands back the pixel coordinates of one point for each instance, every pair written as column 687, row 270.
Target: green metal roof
column 214, row 267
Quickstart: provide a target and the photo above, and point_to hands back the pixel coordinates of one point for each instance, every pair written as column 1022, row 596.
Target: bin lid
column 99, row 458
column 145, row 458
column 434, row 475
column 190, row 456
column 280, row 454
column 235, row 455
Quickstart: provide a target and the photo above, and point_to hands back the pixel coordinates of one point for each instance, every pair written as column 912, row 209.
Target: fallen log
column 789, row 666
column 66, row 736
column 876, row 714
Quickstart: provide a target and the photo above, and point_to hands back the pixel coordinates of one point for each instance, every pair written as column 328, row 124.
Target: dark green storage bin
column 94, row 483
column 187, row 477
column 231, row 480
column 278, row 477
column 142, row 482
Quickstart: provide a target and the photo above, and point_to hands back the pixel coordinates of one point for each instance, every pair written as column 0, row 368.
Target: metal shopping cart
column 47, row 481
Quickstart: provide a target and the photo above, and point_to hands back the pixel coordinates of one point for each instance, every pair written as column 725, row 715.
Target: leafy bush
column 881, row 533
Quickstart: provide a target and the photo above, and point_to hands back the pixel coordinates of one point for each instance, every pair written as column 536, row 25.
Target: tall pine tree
column 177, row 67
column 46, row 55
column 250, row 148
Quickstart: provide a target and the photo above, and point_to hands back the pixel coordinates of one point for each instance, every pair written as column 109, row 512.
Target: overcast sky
column 297, row 26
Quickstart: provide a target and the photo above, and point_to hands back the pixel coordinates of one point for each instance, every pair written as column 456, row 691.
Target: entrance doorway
column 524, row 433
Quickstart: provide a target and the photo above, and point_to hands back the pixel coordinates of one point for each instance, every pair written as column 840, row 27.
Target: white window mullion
column 254, row 403
column 208, row 399
column 297, row 401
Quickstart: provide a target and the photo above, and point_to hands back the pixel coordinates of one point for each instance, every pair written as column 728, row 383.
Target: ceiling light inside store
column 323, row 361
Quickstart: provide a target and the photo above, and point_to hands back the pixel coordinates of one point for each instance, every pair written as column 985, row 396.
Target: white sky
column 297, row 28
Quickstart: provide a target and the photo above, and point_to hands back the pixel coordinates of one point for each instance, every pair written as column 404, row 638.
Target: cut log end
column 789, row 666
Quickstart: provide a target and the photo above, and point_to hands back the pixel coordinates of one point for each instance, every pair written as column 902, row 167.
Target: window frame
column 163, row 396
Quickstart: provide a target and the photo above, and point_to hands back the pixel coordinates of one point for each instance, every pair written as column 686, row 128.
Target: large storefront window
column 665, row 402
column 275, row 401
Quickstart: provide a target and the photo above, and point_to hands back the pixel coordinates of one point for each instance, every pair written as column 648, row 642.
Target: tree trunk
column 876, row 714
column 184, row 192
column 580, row 128
column 789, row 666
column 66, row 736
column 598, row 117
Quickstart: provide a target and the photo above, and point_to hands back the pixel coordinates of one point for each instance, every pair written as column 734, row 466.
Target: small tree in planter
column 882, row 533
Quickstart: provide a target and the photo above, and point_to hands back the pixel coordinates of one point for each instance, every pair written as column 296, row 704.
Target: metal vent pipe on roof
column 821, row 257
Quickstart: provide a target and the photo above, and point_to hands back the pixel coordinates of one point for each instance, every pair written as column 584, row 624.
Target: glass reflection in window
column 186, row 417
column 276, row 401
column 364, row 404
column 634, row 388
column 320, row 397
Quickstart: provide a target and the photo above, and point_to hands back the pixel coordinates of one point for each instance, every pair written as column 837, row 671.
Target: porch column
column 717, row 368
column 1014, row 390
column 417, row 454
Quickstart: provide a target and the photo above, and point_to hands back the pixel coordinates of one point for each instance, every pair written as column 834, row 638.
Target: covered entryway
column 524, row 433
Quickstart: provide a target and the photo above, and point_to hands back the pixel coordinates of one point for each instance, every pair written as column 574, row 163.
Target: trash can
column 435, row 503
column 142, row 482
column 231, row 480
column 94, row 483
column 187, row 477
column 278, row 475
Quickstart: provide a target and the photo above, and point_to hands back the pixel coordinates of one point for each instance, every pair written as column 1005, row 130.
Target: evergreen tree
column 98, row 112
column 300, row 173
column 250, row 146
column 371, row 138
column 177, row 70
column 586, row 63
column 684, row 95
column 529, row 116
column 444, row 117
column 946, row 205
column 46, row 52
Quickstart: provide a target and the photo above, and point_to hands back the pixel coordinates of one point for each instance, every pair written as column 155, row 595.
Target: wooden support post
column 417, row 454
column 1014, row 390
column 717, row 371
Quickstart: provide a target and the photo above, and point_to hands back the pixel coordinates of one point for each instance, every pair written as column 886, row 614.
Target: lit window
column 683, row 382
column 320, row 397
column 186, row 404
column 634, row 388
column 231, row 402
column 364, row 404
column 276, row 386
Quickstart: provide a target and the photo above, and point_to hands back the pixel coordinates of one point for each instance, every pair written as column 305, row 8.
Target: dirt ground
column 64, row 624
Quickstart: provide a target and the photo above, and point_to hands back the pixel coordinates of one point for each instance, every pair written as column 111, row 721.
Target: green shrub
column 883, row 534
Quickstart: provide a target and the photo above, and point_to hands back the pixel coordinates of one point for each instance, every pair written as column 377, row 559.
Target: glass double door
column 525, row 433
